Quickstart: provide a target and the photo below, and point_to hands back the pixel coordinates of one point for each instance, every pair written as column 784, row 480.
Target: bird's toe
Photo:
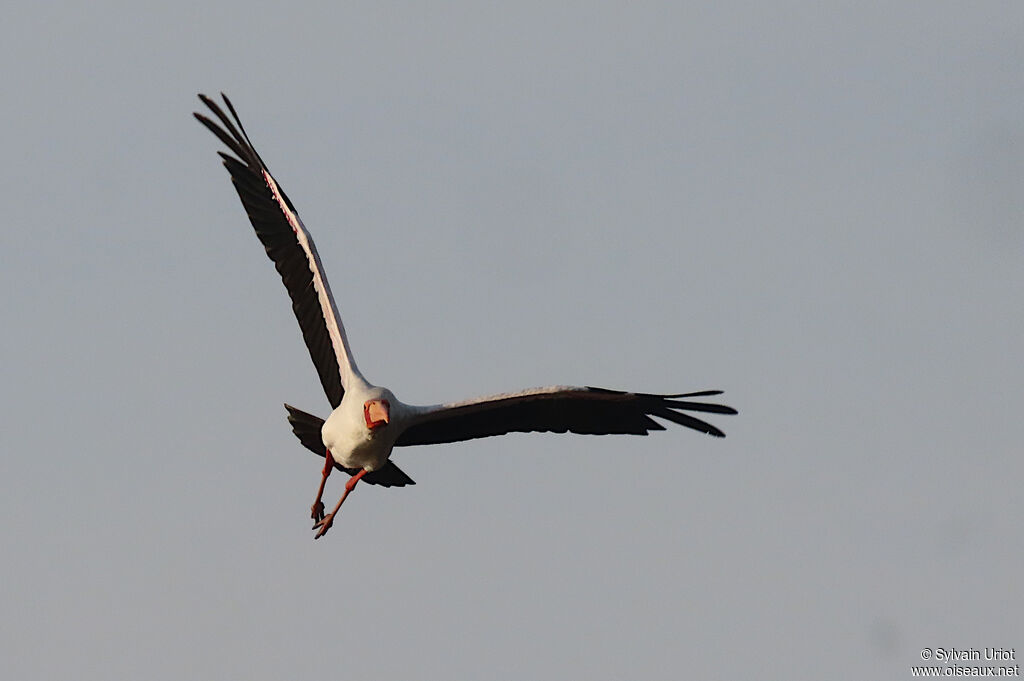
column 324, row 525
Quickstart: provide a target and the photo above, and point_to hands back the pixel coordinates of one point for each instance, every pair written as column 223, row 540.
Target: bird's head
column 377, row 413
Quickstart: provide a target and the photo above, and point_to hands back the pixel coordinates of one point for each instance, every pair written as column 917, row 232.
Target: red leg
column 317, row 509
column 328, row 520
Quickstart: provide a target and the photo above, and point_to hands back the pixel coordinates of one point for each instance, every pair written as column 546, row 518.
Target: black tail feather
column 307, row 428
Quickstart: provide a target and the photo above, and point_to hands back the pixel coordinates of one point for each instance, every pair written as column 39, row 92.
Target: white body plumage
column 348, row 437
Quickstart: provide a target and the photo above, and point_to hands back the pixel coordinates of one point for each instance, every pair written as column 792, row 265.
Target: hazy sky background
column 816, row 208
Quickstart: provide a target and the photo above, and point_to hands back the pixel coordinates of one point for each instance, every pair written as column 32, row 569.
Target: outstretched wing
column 307, row 428
column 559, row 409
column 291, row 248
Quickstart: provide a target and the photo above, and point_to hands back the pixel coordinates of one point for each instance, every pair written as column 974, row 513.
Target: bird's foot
column 317, row 511
column 324, row 525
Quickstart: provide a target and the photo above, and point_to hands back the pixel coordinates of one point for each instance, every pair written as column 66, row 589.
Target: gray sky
column 817, row 209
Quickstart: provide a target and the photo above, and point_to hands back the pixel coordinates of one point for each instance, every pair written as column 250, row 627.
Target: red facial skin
column 376, row 413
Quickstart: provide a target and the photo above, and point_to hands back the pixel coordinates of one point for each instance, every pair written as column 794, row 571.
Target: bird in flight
column 368, row 421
